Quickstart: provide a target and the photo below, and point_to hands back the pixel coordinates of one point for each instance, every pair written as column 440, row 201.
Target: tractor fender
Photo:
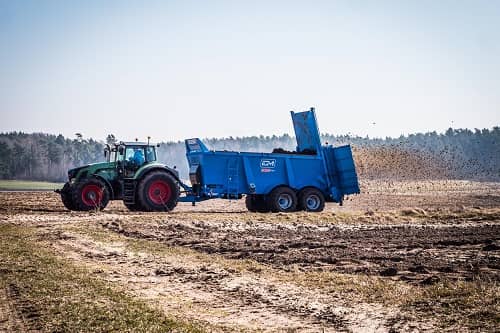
column 108, row 185
column 156, row 167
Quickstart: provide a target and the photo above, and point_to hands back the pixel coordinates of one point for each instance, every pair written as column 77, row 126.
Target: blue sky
column 179, row 69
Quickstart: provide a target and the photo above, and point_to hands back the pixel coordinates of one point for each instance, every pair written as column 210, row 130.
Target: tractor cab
column 130, row 156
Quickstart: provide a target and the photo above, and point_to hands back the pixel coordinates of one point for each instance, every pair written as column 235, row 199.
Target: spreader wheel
column 282, row 199
column 158, row 191
column 67, row 196
column 90, row 194
column 256, row 203
column 311, row 200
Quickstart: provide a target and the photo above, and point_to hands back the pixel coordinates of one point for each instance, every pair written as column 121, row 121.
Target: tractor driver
column 138, row 157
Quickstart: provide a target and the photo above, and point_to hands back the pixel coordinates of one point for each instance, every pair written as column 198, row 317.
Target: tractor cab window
column 150, row 154
column 135, row 156
column 129, row 154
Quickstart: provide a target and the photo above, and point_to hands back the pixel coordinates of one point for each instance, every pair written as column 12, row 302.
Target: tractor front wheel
column 90, row 194
column 158, row 191
column 67, row 196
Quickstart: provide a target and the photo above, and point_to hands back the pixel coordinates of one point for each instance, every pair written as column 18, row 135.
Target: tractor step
column 129, row 191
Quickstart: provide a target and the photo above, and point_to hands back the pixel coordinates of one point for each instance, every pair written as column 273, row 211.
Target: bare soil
column 395, row 258
column 412, row 252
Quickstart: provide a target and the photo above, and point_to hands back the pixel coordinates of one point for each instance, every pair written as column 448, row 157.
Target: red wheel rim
column 92, row 195
column 159, row 192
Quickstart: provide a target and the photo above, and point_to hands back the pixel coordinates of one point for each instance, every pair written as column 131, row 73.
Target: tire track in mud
column 415, row 253
column 24, row 308
column 10, row 321
column 17, row 314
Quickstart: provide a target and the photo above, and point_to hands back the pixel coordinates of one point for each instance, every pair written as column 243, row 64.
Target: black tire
column 67, row 196
column 282, row 199
column 256, row 203
column 158, row 191
column 311, row 200
column 249, row 202
column 90, row 194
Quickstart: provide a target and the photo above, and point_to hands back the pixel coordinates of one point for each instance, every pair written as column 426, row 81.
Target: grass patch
column 470, row 305
column 56, row 296
column 370, row 289
column 26, row 185
column 474, row 305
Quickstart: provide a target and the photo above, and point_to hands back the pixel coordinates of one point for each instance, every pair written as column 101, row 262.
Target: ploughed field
column 402, row 256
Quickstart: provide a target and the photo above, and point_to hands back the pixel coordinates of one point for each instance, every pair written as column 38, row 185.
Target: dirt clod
column 491, row 247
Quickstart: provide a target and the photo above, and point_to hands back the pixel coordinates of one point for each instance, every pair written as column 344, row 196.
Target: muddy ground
column 378, row 263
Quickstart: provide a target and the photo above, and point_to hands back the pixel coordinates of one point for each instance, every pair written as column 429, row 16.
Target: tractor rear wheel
column 311, row 200
column 282, row 199
column 90, row 194
column 67, row 196
column 158, row 191
column 256, row 203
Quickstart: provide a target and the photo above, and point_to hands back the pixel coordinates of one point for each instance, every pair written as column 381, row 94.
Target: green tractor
column 131, row 173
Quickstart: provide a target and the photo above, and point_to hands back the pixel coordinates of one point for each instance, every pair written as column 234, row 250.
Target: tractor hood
column 88, row 169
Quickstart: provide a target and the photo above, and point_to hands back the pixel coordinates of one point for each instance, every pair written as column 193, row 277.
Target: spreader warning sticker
column 267, row 165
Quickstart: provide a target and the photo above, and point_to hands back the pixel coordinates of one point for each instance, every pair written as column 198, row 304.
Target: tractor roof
column 135, row 143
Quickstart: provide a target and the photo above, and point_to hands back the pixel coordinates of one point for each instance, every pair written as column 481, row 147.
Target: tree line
column 458, row 153
column 40, row 156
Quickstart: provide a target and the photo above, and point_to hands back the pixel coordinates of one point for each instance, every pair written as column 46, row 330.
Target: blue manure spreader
column 280, row 181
